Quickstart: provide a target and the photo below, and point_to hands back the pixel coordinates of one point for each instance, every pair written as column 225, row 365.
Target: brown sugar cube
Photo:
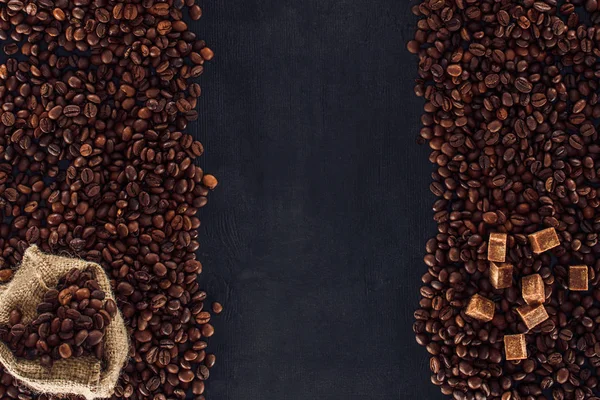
column 515, row 347
column 532, row 315
column 578, row 277
column 501, row 275
column 532, row 288
column 481, row 308
column 497, row 247
column 544, row 240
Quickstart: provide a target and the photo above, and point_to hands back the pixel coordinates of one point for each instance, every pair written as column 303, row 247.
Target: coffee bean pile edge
column 510, row 302
column 95, row 97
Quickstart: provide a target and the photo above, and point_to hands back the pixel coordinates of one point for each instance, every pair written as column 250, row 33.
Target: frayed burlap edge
column 83, row 376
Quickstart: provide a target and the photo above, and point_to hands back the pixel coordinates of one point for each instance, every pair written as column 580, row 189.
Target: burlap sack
column 82, row 376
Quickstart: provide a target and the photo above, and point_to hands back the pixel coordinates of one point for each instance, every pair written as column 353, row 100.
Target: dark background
column 314, row 239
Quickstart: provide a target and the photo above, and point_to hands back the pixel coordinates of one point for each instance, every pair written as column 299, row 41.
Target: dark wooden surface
column 314, row 238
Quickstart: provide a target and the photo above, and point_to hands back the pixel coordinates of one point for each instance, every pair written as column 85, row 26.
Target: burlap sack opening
column 84, row 376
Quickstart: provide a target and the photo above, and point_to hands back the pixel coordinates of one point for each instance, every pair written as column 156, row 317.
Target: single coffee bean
column 217, row 308
column 523, row 85
column 65, row 350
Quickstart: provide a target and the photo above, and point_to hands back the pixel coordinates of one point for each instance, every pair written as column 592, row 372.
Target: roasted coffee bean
column 217, row 308
column 94, row 337
column 523, row 85
column 203, row 372
column 65, row 350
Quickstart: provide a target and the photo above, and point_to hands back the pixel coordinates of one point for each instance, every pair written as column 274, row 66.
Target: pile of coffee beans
column 511, row 115
column 71, row 322
column 94, row 161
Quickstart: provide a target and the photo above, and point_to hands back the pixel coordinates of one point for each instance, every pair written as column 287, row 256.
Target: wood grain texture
column 314, row 239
